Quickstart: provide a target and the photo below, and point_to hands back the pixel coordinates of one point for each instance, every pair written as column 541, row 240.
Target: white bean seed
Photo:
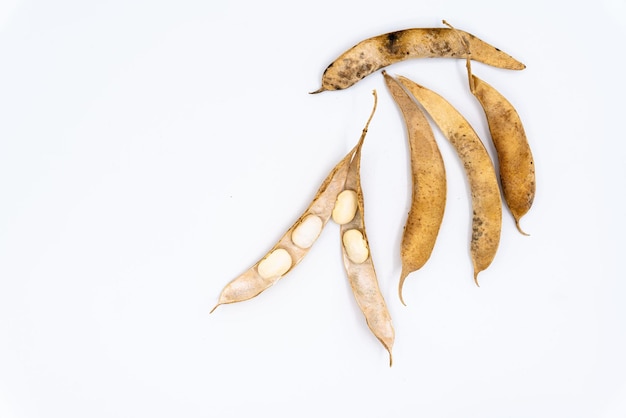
column 305, row 234
column 345, row 207
column 355, row 245
column 277, row 263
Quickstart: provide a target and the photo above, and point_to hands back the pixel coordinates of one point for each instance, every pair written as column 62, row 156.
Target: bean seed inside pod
column 305, row 234
column 355, row 245
column 345, row 207
column 277, row 263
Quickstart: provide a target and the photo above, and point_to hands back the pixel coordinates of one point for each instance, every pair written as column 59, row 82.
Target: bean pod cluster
column 340, row 196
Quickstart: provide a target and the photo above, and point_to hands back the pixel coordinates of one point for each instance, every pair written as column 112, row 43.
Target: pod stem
column 468, row 54
column 367, row 124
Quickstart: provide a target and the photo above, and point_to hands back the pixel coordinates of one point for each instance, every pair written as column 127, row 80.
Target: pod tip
column 401, row 285
column 214, row 308
column 476, row 278
column 519, row 228
column 321, row 89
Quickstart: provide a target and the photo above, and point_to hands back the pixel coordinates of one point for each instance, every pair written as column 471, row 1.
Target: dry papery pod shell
column 428, row 198
column 358, row 261
column 372, row 54
column 293, row 245
column 479, row 169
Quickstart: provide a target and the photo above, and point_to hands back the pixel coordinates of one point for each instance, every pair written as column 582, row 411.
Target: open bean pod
column 293, row 245
column 358, row 261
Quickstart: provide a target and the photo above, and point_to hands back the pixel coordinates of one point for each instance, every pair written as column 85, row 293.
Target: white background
column 151, row 151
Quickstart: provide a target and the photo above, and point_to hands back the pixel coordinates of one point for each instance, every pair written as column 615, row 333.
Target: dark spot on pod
column 392, row 45
column 363, row 70
column 477, row 230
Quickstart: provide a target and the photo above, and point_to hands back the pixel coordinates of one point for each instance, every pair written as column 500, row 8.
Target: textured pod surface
column 481, row 175
column 515, row 160
column 380, row 51
column 428, row 174
column 251, row 283
column 362, row 276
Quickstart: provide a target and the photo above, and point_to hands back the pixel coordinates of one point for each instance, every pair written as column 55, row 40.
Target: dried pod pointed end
column 476, row 277
column 403, row 276
column 519, row 228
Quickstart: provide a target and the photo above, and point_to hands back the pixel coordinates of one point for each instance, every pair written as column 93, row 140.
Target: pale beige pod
column 481, row 174
column 360, row 271
column 296, row 242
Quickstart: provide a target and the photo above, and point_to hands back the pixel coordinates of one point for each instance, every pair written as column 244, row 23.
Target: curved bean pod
column 428, row 199
column 377, row 52
column 515, row 160
column 483, row 181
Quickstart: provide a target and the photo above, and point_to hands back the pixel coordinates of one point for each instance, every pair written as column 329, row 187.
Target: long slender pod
column 358, row 261
column 515, row 160
column 483, row 181
column 372, row 54
column 293, row 245
column 428, row 199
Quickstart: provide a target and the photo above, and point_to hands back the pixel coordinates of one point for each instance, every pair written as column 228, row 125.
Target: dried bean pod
column 428, row 175
column 372, row 54
column 481, row 174
column 251, row 283
column 515, row 160
column 361, row 273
